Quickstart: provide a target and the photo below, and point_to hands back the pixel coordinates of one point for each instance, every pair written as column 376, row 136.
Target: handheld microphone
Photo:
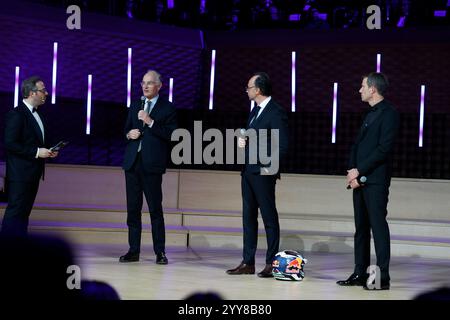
column 242, row 132
column 143, row 108
column 361, row 180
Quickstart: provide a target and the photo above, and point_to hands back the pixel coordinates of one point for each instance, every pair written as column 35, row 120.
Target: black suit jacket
column 372, row 152
column 23, row 137
column 273, row 116
column 155, row 140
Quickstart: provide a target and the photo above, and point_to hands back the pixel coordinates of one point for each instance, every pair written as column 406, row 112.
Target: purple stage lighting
column 170, row 89
column 55, row 63
column 16, row 87
column 379, row 62
column 293, row 82
column 333, row 130
column 88, row 105
column 401, row 22
column 440, row 13
column 295, row 17
column 170, row 4
column 211, row 83
column 422, row 114
column 130, row 52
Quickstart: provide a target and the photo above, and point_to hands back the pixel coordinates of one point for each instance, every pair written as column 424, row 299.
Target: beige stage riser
column 319, row 244
column 320, row 224
column 86, row 237
column 291, row 222
column 173, row 219
column 315, row 194
column 92, row 185
column 220, row 190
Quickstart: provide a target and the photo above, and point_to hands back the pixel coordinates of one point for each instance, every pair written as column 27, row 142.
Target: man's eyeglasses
column 148, row 83
column 44, row 91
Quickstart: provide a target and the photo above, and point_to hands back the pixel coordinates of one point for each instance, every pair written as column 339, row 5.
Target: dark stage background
column 410, row 57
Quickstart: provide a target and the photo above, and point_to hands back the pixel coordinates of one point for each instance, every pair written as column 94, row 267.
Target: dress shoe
column 266, row 272
column 242, row 269
column 353, row 280
column 384, row 285
column 129, row 257
column 161, row 258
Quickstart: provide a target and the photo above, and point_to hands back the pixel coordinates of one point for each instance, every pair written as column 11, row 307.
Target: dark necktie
column 147, row 109
column 255, row 112
column 34, row 110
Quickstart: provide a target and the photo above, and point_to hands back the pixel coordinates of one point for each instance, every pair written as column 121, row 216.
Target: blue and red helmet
column 288, row 265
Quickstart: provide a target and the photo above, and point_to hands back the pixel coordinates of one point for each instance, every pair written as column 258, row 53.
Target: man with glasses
column 25, row 156
column 148, row 129
column 258, row 183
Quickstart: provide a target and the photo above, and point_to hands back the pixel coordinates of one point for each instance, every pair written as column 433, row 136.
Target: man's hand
column 241, row 142
column 45, row 153
column 144, row 116
column 354, row 184
column 352, row 174
column 133, row 134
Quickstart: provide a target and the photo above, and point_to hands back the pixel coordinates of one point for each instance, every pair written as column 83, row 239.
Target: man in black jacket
column 25, row 156
column 148, row 128
column 369, row 176
column 259, row 178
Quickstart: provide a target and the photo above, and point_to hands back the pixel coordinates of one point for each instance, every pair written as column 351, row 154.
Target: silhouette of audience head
column 98, row 290
column 35, row 267
column 204, row 296
column 440, row 294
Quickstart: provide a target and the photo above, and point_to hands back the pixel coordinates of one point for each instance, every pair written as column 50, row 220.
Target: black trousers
column 21, row 196
column 259, row 192
column 138, row 183
column 370, row 208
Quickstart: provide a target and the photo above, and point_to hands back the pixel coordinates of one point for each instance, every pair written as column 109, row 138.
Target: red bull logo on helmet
column 294, row 266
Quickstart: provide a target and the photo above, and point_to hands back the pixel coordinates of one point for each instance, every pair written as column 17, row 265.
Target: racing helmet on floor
column 288, row 265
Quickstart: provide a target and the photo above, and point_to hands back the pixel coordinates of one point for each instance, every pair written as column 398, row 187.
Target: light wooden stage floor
column 203, row 270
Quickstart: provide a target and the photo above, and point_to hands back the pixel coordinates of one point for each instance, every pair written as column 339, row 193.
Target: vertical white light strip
column 379, row 62
column 170, row 89
column 16, row 87
column 55, row 64
column 293, row 82
column 252, row 105
column 333, row 130
column 130, row 52
column 422, row 114
column 88, row 106
column 211, row 83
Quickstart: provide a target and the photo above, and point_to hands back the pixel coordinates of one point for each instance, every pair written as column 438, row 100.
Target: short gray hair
column 158, row 75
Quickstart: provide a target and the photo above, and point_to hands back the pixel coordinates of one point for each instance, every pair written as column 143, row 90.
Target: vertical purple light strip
column 333, row 131
column 211, row 83
column 55, row 64
column 170, row 89
column 379, row 62
column 293, row 82
column 16, row 87
column 422, row 114
column 130, row 52
column 88, row 105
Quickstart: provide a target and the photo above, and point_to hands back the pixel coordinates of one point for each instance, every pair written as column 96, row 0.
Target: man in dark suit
column 369, row 176
column 258, row 179
column 148, row 128
column 25, row 156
